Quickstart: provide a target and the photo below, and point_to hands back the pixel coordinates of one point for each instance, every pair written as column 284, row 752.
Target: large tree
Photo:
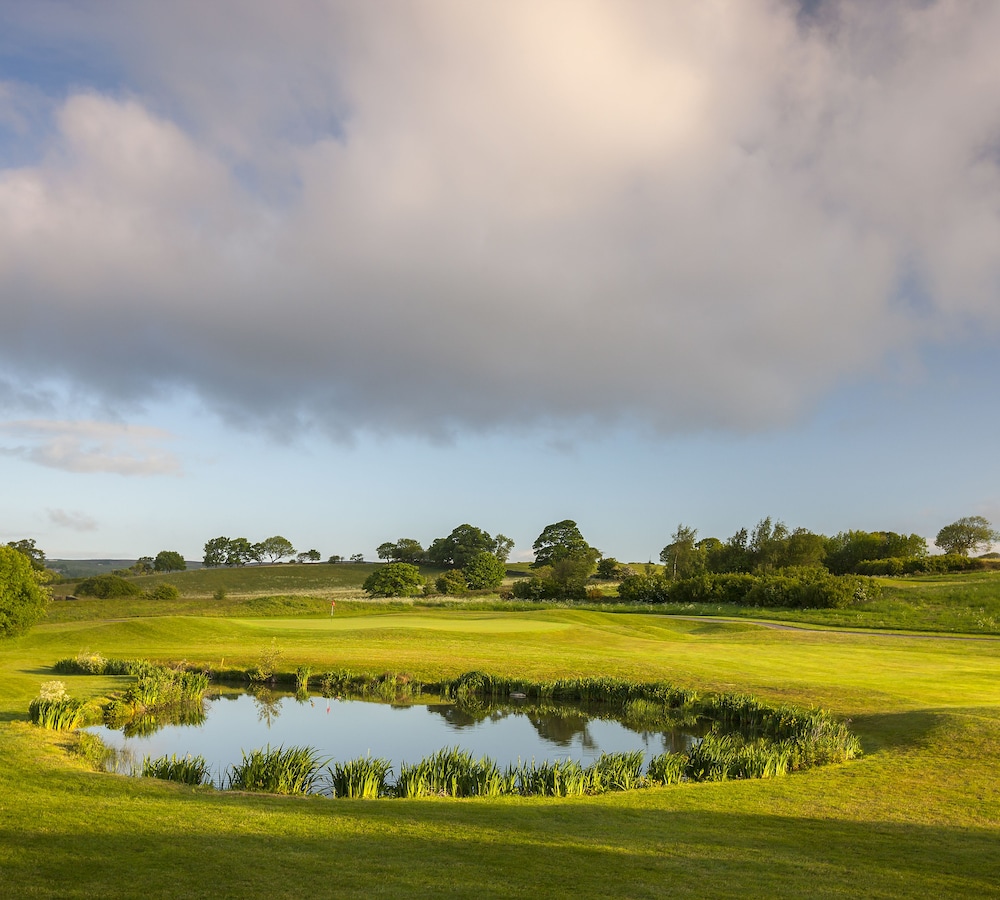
column 406, row 550
column 35, row 554
column 23, row 598
column 461, row 545
column 169, row 561
column 394, row 580
column 484, row 571
column 562, row 540
column 967, row 535
column 682, row 556
column 274, row 548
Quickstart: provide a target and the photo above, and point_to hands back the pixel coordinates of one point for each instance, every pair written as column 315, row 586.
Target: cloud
column 469, row 216
column 75, row 521
column 90, row 447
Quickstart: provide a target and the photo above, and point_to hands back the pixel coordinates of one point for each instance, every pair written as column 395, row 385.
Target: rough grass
column 918, row 815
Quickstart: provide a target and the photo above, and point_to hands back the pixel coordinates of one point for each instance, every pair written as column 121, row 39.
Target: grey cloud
column 484, row 217
column 73, row 520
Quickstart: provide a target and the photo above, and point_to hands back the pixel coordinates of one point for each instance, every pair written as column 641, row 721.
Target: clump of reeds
column 560, row 778
column 55, row 710
column 292, row 771
column 189, row 770
column 452, row 772
column 616, row 772
column 666, row 768
column 363, row 778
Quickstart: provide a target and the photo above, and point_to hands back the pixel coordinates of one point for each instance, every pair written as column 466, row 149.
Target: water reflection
column 229, row 723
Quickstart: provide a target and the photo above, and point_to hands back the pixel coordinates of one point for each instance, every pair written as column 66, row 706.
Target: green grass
column 917, row 815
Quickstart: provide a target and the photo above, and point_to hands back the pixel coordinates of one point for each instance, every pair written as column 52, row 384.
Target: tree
column 484, row 572
column 169, row 561
column 394, row 580
column 767, row 544
column 143, row 566
column 967, row 535
column 609, row 568
column 23, row 598
column 682, row 557
column 562, row 540
column 26, row 546
column 357, row 557
column 216, row 551
column 502, row 545
column 274, row 548
column 336, row 558
column 464, row 542
column 308, row 556
column 405, row 550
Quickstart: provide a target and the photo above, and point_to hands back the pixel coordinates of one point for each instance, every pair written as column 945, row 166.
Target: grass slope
column 919, row 814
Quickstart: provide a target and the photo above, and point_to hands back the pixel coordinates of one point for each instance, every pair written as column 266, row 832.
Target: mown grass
column 918, row 814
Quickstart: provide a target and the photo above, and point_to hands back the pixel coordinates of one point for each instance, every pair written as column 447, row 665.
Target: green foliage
column 562, row 540
column 267, row 664
column 106, row 587
column 274, row 548
column 966, row 535
column 36, row 555
column 405, row 550
column 484, row 571
column 802, row 588
column 451, row 582
column 360, row 779
column 169, row 561
column 23, row 599
column 55, row 710
column 292, row 771
column 682, row 558
column 187, row 770
column 394, row 580
column 464, row 542
column 848, row 550
column 163, row 591
column 224, row 551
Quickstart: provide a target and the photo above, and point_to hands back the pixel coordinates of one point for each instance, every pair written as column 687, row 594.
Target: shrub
column 106, row 587
column 484, row 571
column 23, row 599
column 451, row 582
column 394, row 580
column 164, row 591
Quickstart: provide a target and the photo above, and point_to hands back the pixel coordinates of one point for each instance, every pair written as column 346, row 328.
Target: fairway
column 919, row 813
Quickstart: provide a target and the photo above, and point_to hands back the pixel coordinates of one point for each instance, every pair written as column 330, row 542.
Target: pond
column 226, row 724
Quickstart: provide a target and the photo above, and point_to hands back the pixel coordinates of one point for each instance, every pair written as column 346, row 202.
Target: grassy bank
column 919, row 813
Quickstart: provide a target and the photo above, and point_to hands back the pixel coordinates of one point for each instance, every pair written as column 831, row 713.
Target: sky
column 349, row 272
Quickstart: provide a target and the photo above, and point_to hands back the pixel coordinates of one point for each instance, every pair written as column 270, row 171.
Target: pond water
column 225, row 725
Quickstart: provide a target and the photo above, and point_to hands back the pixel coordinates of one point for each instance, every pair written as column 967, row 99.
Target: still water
column 342, row 730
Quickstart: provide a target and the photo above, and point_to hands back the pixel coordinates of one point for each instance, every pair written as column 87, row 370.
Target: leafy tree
column 144, row 565
column 336, row 558
column 484, row 572
column 216, row 552
column 966, row 535
column 405, row 550
column 357, row 557
column 732, row 556
column 308, row 556
column 846, row 551
column 26, row 546
column 460, row 546
column 22, row 596
column 274, row 548
column 803, row 548
column 169, row 561
column 562, row 540
column 394, row 580
column 767, row 544
column 682, row 557
column 609, row 568
column 502, row 545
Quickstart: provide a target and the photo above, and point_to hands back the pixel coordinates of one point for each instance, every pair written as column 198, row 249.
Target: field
column 917, row 815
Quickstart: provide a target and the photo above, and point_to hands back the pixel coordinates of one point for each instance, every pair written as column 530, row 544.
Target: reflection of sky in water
column 347, row 729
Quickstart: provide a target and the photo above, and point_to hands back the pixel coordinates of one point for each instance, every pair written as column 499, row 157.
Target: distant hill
column 85, row 568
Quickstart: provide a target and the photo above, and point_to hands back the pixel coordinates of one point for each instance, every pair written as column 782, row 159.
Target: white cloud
column 89, row 447
column 493, row 215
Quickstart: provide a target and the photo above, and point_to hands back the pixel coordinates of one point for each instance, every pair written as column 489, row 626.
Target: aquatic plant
column 280, row 771
column 363, row 778
column 189, row 770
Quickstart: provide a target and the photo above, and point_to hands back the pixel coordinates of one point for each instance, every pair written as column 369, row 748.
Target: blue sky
column 321, row 271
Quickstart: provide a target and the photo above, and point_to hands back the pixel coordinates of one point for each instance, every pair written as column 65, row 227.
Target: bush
column 394, row 580
column 451, row 582
column 484, row 571
column 163, row 591
column 22, row 597
column 106, row 587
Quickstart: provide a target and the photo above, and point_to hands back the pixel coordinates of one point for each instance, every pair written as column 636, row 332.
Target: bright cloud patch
column 472, row 216
column 89, row 447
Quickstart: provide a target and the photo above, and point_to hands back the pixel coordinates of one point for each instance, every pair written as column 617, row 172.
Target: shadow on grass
column 263, row 848
column 897, row 731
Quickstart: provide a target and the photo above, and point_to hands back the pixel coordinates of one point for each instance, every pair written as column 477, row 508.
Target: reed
column 452, row 772
column 364, row 778
column 63, row 714
column 666, row 768
column 616, row 772
column 189, row 770
column 280, row 771
column 561, row 778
